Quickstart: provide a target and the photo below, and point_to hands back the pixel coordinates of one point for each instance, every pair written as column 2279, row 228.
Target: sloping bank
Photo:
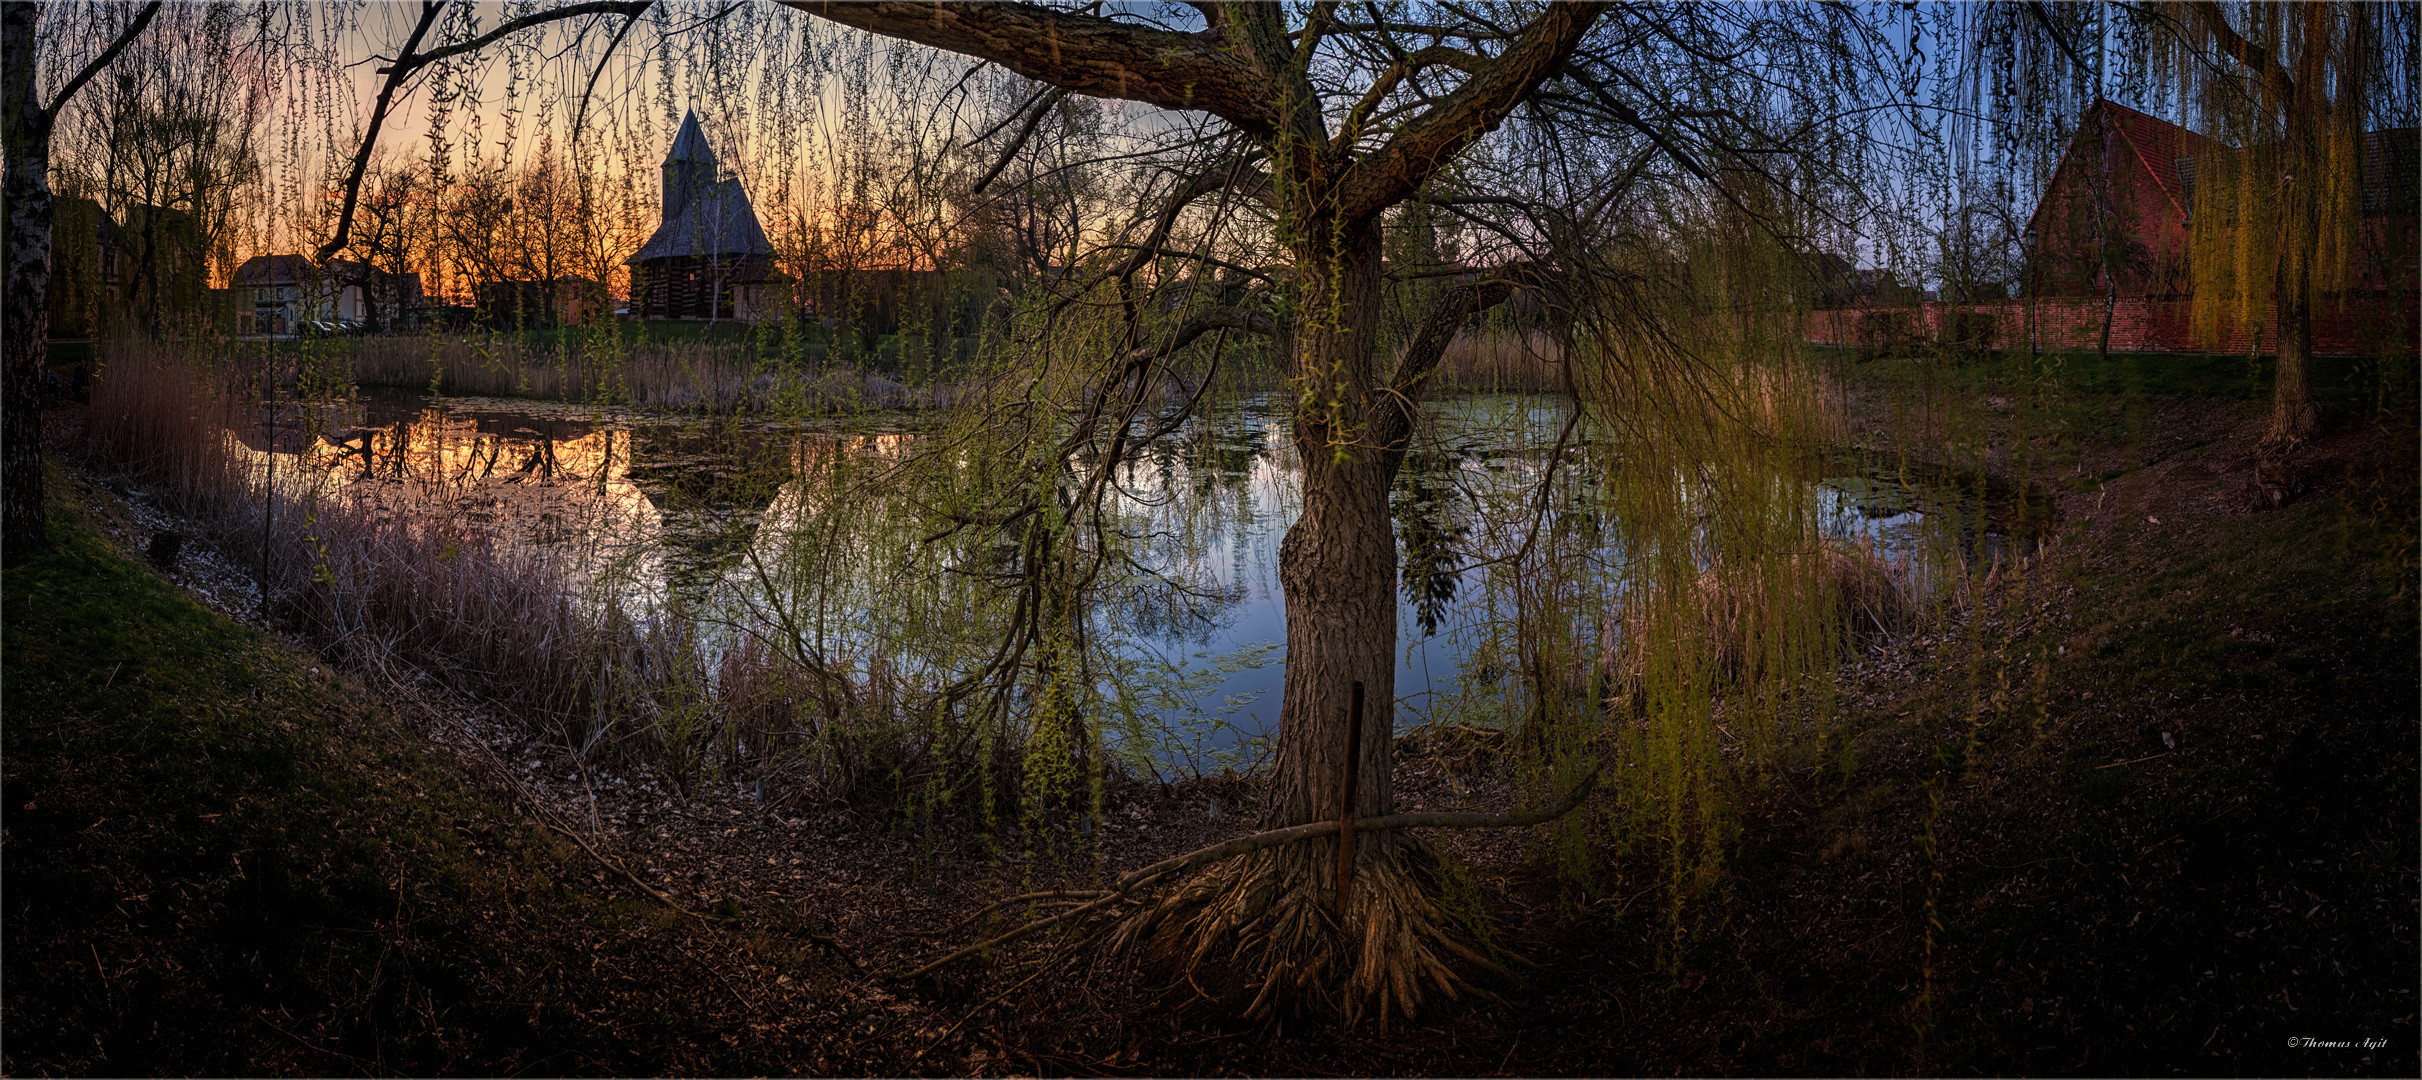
column 222, row 857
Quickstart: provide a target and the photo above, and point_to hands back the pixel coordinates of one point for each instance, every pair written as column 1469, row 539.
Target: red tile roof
column 2157, row 144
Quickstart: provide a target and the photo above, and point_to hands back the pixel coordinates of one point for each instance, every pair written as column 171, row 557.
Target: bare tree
column 398, row 219
column 25, row 236
column 167, row 143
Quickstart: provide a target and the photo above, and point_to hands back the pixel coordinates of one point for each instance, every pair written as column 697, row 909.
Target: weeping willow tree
column 2284, row 94
column 1342, row 191
column 1534, row 124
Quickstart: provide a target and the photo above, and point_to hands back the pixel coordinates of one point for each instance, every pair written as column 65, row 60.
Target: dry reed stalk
column 1861, row 597
column 678, row 376
column 362, row 582
column 1499, row 360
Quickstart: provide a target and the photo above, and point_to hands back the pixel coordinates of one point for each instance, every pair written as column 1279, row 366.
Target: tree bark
column 2293, row 417
column 1337, row 564
column 24, row 284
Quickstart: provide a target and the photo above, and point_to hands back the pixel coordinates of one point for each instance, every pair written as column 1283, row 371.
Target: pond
column 646, row 510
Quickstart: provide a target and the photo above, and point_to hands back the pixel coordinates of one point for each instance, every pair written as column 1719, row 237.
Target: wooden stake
column 1345, row 802
column 269, row 497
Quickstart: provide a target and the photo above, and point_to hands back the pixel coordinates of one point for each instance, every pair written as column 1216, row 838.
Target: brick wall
column 2358, row 326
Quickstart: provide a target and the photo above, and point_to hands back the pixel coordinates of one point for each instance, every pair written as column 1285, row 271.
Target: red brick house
column 2117, row 208
column 2107, row 254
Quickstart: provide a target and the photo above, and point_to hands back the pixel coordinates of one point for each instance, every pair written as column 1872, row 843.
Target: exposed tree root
column 1258, row 937
column 1256, row 934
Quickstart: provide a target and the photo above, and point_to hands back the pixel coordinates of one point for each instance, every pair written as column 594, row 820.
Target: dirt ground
column 2146, row 804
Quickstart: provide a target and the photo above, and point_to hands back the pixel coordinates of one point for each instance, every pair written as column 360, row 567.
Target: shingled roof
column 689, row 144
column 715, row 219
column 719, row 223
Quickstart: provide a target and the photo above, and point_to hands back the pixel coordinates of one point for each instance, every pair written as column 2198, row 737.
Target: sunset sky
column 784, row 99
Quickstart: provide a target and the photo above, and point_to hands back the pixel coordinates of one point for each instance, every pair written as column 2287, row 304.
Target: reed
column 1502, row 361
column 415, row 586
column 1737, row 616
column 695, row 377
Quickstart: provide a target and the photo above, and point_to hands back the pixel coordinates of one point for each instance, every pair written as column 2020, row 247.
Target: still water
column 648, row 511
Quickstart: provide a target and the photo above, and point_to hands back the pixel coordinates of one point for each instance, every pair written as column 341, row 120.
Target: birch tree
column 26, row 40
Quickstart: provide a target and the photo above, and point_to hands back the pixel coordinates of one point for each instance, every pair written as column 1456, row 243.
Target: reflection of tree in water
column 715, row 484
column 1169, row 609
column 1430, row 531
column 1981, row 516
column 1192, row 497
column 554, row 489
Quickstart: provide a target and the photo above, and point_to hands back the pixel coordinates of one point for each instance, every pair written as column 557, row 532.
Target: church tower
column 709, row 258
column 689, row 170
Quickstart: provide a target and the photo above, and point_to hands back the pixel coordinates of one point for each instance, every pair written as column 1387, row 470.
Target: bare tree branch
column 2257, row 59
column 579, row 117
column 1474, row 109
column 628, row 8
column 1081, row 53
column 1043, row 108
column 1419, row 360
column 126, row 37
column 2036, row 8
column 408, row 60
column 429, row 10
column 1428, row 56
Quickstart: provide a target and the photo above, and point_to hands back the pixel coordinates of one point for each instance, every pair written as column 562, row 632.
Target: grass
column 2150, row 808
column 2228, row 776
column 224, row 858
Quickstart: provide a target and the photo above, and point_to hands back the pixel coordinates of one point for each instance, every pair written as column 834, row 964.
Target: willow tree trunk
column 1337, row 564
column 24, row 285
column 2293, row 417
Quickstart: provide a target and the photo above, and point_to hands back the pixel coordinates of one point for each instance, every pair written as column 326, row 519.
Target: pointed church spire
column 690, row 143
column 689, row 170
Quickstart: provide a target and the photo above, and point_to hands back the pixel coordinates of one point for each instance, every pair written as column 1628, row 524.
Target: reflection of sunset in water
column 569, row 498
column 815, row 463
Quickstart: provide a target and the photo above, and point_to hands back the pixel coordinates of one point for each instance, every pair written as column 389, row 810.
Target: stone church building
column 710, row 258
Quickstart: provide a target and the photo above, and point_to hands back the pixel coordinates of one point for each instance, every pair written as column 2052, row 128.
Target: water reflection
column 648, row 512
column 551, row 485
